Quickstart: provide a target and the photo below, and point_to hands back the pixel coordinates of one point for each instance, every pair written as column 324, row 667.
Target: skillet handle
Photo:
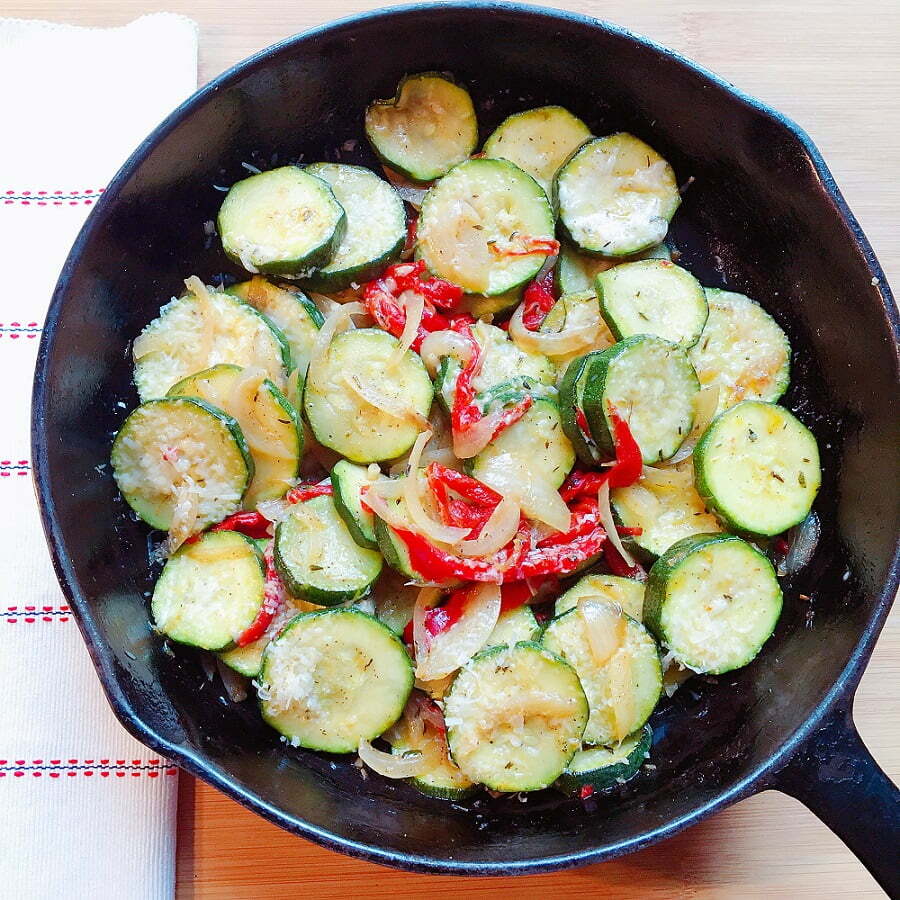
column 835, row 776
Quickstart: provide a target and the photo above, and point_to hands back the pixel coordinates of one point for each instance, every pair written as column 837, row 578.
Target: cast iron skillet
column 764, row 216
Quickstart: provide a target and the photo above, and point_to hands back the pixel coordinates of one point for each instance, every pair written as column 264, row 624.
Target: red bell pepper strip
column 629, row 461
column 518, row 562
column 252, row 524
column 618, row 566
column 457, row 512
column 304, row 492
column 586, row 791
column 585, row 518
column 525, row 246
column 582, row 422
column 443, row 618
column 273, row 597
column 436, row 565
column 466, row 412
column 461, row 322
column 538, row 300
column 514, row 594
column 559, row 560
column 464, row 485
column 627, row 469
column 381, row 298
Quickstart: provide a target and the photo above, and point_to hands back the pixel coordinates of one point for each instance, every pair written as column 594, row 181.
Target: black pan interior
column 757, row 218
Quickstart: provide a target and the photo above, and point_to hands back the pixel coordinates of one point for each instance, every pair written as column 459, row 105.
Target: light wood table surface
column 832, row 66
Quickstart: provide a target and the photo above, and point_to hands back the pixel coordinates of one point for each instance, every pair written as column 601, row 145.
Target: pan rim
column 194, row 763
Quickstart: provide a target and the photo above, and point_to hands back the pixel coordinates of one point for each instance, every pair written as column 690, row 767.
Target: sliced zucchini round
column 538, row 141
column 742, row 350
column 198, row 330
column 504, row 365
column 651, row 383
column 576, row 272
column 367, row 360
column 574, row 311
column 396, row 554
column 426, row 129
column 318, row 559
column 475, row 217
column 653, row 296
column 606, row 767
column 334, row 678
column 616, row 196
column 282, row 222
column 482, row 307
column 268, row 422
column 665, row 504
column 376, row 226
column 395, row 551
column 515, row 717
column 347, row 480
column 177, row 452
column 441, row 778
column 294, row 314
column 626, row 592
column 529, row 459
column 572, row 401
column 757, row 468
column 514, row 626
column 623, row 690
column 394, row 599
column 247, row 660
column 713, row 600
column 210, row 591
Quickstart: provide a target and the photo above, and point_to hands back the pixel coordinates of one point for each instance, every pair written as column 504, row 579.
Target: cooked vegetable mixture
column 468, row 472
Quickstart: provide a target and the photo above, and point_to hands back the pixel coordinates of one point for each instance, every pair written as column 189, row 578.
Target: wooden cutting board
column 832, row 66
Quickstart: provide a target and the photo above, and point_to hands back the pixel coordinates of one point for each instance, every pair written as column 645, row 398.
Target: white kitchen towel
column 85, row 810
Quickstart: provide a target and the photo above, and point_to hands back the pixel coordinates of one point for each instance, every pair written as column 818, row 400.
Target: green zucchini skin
column 571, row 399
column 346, row 480
column 484, row 688
column 507, row 372
column 576, row 272
column 538, row 141
column 151, row 426
column 678, row 511
column 289, row 310
column 579, row 193
column 627, row 592
column 272, row 476
column 514, row 626
column 401, row 154
column 210, row 591
column 757, row 468
column 354, row 700
column 721, row 648
column 247, row 241
column 241, row 334
column 653, row 296
column 677, row 402
column 365, row 198
column 396, row 555
column 342, row 571
column 604, row 767
column 566, row 636
column 487, row 201
column 343, row 422
column 742, row 350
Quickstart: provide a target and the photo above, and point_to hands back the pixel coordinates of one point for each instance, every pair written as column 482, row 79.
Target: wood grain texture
column 834, row 68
